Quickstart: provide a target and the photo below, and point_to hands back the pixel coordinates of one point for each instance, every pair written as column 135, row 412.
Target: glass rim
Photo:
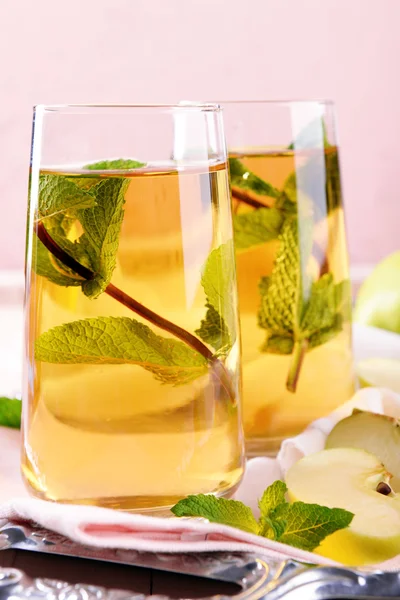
column 93, row 108
column 323, row 101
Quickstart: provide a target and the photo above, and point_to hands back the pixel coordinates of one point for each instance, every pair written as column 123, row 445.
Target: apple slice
column 349, row 478
column 374, row 433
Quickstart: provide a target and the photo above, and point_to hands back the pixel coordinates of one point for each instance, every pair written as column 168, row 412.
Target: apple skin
column 322, row 476
column 378, row 301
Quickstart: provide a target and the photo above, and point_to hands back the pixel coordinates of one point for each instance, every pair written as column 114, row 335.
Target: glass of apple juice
column 292, row 266
column 132, row 379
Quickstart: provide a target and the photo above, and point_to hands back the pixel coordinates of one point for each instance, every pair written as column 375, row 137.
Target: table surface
column 110, row 575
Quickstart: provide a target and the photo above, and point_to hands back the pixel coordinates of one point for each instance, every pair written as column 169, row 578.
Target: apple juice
column 291, row 257
column 120, row 412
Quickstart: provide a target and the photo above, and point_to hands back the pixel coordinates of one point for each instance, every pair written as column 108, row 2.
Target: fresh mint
column 10, row 412
column 244, row 179
column 218, row 510
column 305, row 525
column 64, row 203
column 298, row 524
column 89, row 261
column 102, row 227
column 59, row 194
column 272, row 497
column 256, row 227
column 217, row 279
column 298, row 313
column 120, row 340
column 213, row 330
column 118, row 164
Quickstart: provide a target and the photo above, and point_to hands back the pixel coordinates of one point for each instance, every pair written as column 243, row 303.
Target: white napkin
column 108, row 528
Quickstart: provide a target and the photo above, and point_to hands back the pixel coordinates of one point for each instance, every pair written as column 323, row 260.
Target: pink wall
column 164, row 50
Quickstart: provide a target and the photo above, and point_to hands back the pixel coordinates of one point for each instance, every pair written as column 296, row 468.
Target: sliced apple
column 379, row 372
column 374, row 433
column 348, row 478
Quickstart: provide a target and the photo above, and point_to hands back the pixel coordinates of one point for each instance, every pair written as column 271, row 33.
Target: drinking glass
column 292, row 266
column 132, row 380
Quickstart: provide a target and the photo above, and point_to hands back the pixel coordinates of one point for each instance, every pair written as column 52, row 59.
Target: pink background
column 164, row 50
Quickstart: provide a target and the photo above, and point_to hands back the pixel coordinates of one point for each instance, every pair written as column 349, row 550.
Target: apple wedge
column 374, row 433
column 349, row 478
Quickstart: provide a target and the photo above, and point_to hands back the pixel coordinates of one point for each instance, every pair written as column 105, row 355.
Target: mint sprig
column 298, row 524
column 89, row 262
column 10, row 412
column 120, row 340
column 298, row 313
column 99, row 211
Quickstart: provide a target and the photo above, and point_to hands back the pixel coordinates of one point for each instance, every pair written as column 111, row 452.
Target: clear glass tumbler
column 132, row 386
column 292, row 266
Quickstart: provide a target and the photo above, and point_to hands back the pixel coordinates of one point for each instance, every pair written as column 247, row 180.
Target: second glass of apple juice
column 292, row 266
column 132, row 387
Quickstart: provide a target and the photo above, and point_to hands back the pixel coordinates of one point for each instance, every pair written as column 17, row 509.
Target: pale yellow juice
column 114, row 434
column 271, row 411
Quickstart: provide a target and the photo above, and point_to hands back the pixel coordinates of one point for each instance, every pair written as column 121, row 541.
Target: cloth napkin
column 106, row 528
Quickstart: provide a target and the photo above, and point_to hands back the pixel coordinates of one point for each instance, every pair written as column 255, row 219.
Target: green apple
column 349, row 478
column 374, row 433
column 378, row 301
column 379, row 372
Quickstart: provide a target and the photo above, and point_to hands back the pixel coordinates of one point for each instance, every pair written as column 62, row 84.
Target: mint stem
column 300, row 348
column 242, row 197
column 140, row 309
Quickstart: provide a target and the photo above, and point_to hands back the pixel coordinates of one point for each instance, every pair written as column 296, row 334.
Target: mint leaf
column 279, row 309
column 244, row 179
column 120, row 340
column 343, row 298
column 294, row 309
column 256, row 227
column 272, row 497
column 117, row 164
column 102, row 227
column 59, row 194
column 320, row 310
column 278, row 344
column 213, row 330
column 218, row 280
column 217, row 510
column 305, row 526
column 101, row 222
column 300, row 525
column 10, row 412
column 84, row 182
